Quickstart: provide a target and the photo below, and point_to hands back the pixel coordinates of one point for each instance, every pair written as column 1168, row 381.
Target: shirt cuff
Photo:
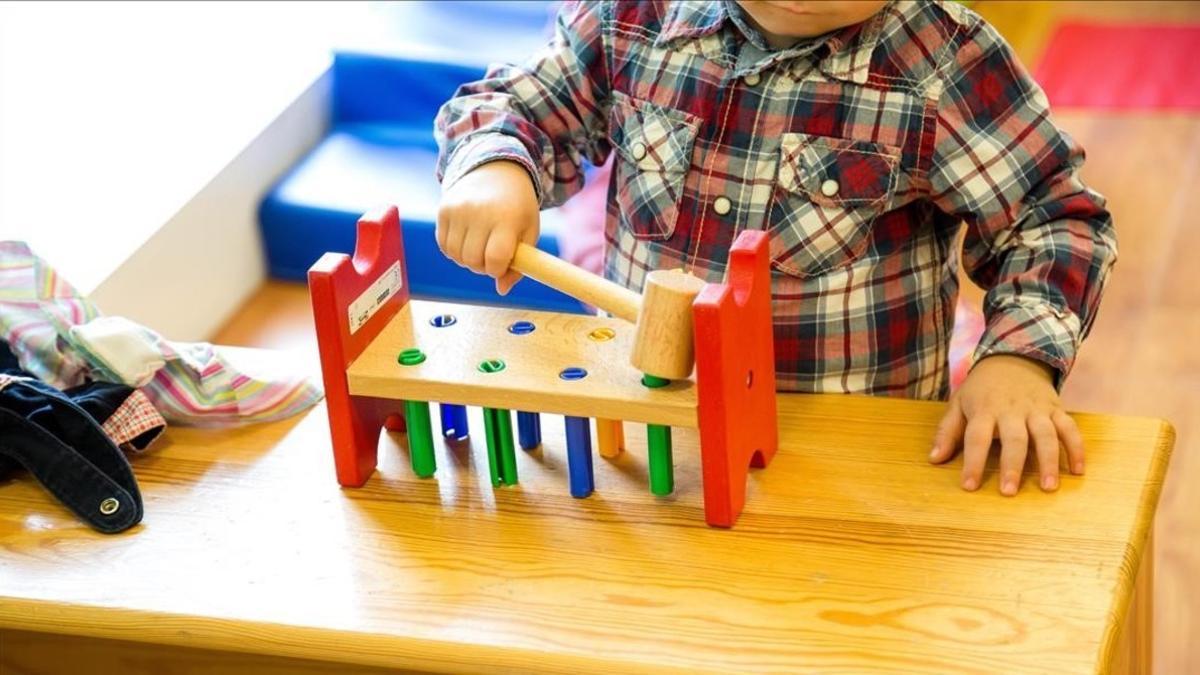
column 1038, row 331
column 489, row 147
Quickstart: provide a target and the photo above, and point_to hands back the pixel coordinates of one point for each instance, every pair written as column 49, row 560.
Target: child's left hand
column 1011, row 398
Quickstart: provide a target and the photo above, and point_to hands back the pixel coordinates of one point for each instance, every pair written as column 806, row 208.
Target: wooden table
column 853, row 555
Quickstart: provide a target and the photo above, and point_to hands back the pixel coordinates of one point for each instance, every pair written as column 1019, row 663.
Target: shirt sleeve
column 547, row 114
column 1038, row 240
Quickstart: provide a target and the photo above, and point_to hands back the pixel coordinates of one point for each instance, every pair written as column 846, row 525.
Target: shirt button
column 639, row 151
column 752, row 80
column 829, row 188
column 722, row 205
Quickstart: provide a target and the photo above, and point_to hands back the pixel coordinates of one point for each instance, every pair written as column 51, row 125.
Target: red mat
column 1123, row 66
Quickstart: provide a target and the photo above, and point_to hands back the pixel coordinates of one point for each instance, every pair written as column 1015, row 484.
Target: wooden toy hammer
column 662, row 345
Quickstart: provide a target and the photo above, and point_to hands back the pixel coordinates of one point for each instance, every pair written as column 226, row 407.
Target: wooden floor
column 1142, row 357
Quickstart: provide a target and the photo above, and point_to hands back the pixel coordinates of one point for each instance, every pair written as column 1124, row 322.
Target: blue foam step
column 380, row 150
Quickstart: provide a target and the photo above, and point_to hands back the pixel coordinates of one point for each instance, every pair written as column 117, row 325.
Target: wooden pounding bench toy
column 385, row 357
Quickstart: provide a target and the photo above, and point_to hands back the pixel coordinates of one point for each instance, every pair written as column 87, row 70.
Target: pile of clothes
column 78, row 390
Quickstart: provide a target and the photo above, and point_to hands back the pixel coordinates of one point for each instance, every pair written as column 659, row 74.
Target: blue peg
column 529, row 430
column 579, row 456
column 454, row 421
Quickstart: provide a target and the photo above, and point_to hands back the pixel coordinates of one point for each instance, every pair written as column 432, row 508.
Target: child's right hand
column 484, row 215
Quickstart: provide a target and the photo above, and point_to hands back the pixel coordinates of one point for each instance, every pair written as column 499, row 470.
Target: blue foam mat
column 380, row 150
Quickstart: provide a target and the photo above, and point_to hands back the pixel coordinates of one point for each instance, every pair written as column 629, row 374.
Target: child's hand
column 484, row 215
column 1012, row 398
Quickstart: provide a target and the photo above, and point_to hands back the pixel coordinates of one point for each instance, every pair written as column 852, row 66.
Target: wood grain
column 26, row 653
column 1141, row 356
column 1134, row 652
column 279, row 316
column 577, row 282
column 854, row 554
column 664, row 337
column 529, row 380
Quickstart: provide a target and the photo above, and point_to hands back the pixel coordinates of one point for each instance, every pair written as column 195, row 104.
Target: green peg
column 502, row 456
column 658, row 442
column 662, row 470
column 420, row 438
column 497, row 425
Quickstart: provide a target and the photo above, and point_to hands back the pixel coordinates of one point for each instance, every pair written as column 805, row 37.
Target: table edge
column 263, row 638
column 391, row 650
column 1135, row 548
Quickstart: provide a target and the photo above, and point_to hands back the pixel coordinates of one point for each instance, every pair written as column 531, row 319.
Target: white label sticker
column 363, row 308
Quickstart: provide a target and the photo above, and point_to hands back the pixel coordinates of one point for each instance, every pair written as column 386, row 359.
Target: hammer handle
column 577, row 283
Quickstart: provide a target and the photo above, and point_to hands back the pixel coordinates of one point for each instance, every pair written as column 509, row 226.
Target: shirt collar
column 691, row 19
column 846, row 52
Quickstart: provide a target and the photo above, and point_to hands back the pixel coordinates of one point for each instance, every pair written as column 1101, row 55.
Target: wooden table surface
column 853, row 554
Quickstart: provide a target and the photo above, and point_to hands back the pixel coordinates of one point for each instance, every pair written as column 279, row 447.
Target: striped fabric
column 36, row 306
column 196, row 386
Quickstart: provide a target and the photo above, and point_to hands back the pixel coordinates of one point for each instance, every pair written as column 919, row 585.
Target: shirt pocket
column 654, row 154
column 827, row 195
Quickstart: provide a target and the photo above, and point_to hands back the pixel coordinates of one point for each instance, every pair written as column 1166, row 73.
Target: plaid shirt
column 861, row 152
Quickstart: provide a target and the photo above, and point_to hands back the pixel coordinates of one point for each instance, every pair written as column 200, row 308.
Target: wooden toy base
column 464, row 355
column 532, row 363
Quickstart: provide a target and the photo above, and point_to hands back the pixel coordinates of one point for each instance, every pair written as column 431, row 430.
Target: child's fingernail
column 1077, row 469
column 933, row 454
column 970, row 484
column 1008, row 487
column 1049, row 482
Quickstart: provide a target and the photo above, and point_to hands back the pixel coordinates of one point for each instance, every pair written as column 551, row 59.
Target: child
column 859, row 135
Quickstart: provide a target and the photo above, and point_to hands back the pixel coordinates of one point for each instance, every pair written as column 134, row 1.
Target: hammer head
column 662, row 343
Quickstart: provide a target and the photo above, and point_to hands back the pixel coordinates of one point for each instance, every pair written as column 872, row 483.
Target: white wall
column 136, row 139
column 201, row 266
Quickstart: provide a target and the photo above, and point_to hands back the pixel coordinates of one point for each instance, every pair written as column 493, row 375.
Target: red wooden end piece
column 735, row 378
column 353, row 299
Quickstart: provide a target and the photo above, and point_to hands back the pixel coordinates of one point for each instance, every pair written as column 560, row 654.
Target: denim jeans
column 58, row 438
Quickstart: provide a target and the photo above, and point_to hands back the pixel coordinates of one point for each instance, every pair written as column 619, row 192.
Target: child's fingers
column 1071, row 438
column 949, row 433
column 499, row 251
column 1045, row 444
column 977, row 441
column 443, row 227
column 1014, row 445
column 451, row 243
column 529, row 235
column 509, row 279
column 473, row 248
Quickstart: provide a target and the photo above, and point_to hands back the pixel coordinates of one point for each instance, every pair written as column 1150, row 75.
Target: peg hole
column 411, row 357
column 522, row 328
column 491, row 366
column 602, row 334
column 573, row 373
column 443, row 320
